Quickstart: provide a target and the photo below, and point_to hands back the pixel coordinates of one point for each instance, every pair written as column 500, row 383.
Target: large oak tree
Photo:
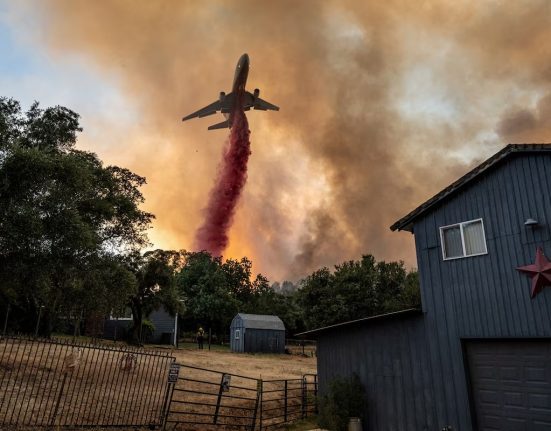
column 65, row 219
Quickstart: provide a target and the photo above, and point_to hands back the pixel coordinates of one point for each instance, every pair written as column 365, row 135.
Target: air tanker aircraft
column 226, row 103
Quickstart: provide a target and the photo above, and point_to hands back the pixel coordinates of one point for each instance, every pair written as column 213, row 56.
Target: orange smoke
column 382, row 105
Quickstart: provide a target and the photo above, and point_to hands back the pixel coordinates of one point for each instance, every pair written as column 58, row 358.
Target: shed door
column 511, row 384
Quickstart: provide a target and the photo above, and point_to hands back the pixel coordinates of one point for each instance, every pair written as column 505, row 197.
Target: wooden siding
column 236, row 345
column 390, row 357
column 263, row 340
column 255, row 340
column 164, row 323
column 484, row 296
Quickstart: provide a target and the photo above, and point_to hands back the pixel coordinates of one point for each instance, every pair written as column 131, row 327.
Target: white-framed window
column 463, row 239
column 237, row 334
column 125, row 314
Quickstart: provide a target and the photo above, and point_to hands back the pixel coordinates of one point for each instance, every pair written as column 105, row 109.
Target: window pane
column 475, row 243
column 452, row 242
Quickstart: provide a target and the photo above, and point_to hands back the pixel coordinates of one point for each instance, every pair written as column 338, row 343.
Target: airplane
column 226, row 102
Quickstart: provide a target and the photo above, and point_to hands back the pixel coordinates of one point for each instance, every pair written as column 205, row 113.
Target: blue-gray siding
column 474, row 297
column 390, row 357
column 484, row 296
column 237, row 344
column 254, row 340
column 164, row 324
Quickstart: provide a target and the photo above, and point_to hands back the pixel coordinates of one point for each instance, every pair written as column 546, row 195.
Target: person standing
column 200, row 338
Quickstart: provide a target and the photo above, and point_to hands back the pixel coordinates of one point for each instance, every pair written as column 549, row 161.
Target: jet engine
column 222, row 96
column 256, row 93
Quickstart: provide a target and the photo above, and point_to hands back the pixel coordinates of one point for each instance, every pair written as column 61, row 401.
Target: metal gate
column 56, row 383
column 207, row 399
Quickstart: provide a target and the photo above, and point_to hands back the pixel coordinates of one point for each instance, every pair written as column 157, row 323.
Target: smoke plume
column 212, row 236
column 383, row 103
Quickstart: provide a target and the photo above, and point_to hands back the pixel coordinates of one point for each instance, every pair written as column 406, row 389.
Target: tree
column 209, row 292
column 155, row 273
column 267, row 300
column 357, row 289
column 65, row 219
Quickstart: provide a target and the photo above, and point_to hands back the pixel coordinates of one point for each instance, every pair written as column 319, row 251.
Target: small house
column 255, row 333
column 165, row 327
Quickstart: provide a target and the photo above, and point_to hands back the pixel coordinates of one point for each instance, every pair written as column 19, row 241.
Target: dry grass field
column 53, row 383
column 265, row 366
column 100, row 388
column 201, row 398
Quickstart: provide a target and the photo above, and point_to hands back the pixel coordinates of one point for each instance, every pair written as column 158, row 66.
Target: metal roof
column 406, row 222
column 386, row 316
column 261, row 321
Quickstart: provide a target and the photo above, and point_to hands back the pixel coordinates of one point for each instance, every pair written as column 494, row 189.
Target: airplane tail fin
column 223, row 125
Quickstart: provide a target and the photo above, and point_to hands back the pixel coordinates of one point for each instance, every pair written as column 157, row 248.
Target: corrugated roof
column 261, row 321
column 406, row 222
column 396, row 314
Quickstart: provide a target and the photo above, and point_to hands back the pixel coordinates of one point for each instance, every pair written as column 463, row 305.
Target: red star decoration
column 539, row 272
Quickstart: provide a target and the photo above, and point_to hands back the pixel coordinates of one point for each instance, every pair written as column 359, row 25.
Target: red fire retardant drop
column 212, row 236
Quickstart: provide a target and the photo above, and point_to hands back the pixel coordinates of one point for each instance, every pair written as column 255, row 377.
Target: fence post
column 316, row 393
column 285, row 410
column 258, row 404
column 173, row 375
column 219, row 399
column 38, row 321
column 6, row 320
column 54, row 414
column 304, row 396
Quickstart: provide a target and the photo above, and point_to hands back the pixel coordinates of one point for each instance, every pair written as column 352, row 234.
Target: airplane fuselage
column 241, row 74
column 239, row 82
column 238, row 98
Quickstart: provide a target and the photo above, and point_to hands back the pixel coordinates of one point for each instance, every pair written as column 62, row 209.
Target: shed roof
column 261, row 321
column 406, row 222
column 387, row 316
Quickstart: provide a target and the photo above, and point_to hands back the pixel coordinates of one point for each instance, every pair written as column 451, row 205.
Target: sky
column 383, row 104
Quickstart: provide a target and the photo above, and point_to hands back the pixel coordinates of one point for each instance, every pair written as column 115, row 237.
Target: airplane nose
column 245, row 59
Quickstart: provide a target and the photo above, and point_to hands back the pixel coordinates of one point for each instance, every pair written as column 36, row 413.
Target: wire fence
column 286, row 401
column 55, row 383
column 208, row 399
column 300, row 347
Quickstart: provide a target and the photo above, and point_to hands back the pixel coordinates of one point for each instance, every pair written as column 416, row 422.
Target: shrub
column 147, row 330
column 345, row 399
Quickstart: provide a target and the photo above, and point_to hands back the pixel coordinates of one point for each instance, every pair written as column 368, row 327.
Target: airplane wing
column 258, row 103
column 223, row 106
column 264, row 106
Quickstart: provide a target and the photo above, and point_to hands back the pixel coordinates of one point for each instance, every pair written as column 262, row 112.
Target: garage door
column 511, row 384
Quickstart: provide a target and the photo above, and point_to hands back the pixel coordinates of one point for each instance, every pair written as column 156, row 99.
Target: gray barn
column 478, row 354
column 254, row 333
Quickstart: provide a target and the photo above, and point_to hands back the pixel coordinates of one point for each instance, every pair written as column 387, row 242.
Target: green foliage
column 215, row 291
column 267, row 301
column 155, row 274
column 66, row 219
column 345, row 399
column 212, row 290
column 146, row 329
column 71, row 232
column 357, row 289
